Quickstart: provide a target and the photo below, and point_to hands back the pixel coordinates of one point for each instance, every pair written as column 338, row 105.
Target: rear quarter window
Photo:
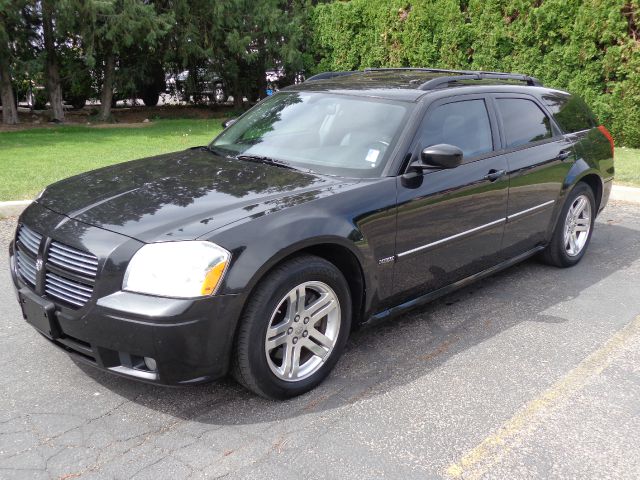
column 523, row 121
column 570, row 112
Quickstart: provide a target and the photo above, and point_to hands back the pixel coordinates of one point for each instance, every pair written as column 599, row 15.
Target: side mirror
column 229, row 122
column 442, row 155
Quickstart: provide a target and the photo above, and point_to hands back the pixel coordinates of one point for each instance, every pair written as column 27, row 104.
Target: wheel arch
column 583, row 172
column 346, row 259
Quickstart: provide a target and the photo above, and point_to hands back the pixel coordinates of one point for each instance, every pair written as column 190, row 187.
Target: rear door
column 450, row 221
column 539, row 158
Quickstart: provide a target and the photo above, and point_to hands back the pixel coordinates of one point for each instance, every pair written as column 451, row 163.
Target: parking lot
column 532, row 373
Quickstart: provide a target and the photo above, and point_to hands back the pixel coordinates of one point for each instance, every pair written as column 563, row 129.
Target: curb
column 619, row 193
column 13, row 208
column 622, row 193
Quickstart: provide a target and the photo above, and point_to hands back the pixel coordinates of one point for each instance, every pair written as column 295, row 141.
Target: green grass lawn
column 32, row 159
column 627, row 164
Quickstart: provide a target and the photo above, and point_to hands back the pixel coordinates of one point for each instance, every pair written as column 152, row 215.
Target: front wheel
column 573, row 232
column 294, row 328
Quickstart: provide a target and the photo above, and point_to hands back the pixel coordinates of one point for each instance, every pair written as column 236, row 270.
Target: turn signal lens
column 212, row 279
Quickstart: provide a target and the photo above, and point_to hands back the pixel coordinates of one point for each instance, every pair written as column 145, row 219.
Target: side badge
column 382, row 261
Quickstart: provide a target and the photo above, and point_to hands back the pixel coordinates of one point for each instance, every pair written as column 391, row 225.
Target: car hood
column 182, row 195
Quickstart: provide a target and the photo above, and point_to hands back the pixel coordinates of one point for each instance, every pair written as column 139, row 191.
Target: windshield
column 326, row 133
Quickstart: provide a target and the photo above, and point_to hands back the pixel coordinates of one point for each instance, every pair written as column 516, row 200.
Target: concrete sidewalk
column 623, row 193
column 13, row 208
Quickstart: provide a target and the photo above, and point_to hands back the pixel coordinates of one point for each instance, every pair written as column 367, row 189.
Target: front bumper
column 190, row 340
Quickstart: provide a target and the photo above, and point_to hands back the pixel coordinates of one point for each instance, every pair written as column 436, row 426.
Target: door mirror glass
column 442, row 155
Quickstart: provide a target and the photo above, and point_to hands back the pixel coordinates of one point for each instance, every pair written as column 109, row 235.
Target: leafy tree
column 240, row 40
column 590, row 47
column 111, row 27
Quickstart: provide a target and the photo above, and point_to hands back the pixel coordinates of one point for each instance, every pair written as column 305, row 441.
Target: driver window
column 464, row 124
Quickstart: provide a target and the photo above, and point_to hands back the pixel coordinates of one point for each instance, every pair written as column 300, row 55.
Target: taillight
column 607, row 134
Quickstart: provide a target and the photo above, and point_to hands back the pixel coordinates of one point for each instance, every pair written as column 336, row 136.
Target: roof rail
column 462, row 75
column 327, row 75
column 437, row 82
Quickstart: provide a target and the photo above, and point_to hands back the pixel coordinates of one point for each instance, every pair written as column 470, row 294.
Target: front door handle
column 494, row 175
column 564, row 154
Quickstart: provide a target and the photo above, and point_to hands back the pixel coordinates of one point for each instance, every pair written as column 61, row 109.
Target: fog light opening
column 151, row 364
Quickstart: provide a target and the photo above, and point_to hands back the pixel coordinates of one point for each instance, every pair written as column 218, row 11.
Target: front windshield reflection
column 328, row 133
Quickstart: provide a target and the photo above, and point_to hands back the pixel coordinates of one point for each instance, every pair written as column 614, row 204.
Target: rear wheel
column 294, row 328
column 573, row 231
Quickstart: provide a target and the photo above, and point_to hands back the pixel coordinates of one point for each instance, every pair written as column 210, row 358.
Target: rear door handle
column 564, row 154
column 494, row 175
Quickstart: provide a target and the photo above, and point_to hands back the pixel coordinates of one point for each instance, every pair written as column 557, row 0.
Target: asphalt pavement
column 531, row 373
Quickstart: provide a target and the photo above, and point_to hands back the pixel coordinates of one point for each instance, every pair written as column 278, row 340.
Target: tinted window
column 523, row 121
column 571, row 113
column 463, row 124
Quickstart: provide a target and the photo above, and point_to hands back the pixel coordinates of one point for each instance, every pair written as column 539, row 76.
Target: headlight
column 177, row 269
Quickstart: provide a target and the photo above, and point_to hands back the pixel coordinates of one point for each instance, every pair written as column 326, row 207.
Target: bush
column 590, row 47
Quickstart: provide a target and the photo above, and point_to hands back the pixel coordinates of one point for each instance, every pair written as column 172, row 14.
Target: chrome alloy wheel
column 302, row 331
column 577, row 225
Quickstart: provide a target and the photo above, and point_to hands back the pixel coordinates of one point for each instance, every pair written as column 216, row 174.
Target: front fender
column 257, row 246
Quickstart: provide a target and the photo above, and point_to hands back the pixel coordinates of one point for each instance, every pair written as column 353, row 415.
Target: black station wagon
column 350, row 197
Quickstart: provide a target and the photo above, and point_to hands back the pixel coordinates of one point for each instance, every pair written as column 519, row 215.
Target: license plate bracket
column 39, row 313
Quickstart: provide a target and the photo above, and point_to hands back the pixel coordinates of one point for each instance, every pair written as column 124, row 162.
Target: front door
column 450, row 221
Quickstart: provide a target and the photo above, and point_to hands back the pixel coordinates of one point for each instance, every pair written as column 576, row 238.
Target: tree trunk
column 237, row 93
column 9, row 110
column 107, row 88
column 52, row 71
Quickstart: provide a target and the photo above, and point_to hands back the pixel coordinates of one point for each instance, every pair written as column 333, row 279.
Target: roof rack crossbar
column 454, row 76
column 438, row 82
column 439, row 70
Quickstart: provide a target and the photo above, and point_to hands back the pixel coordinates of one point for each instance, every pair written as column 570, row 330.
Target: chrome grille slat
column 71, row 265
column 73, row 251
column 64, row 297
column 67, row 290
column 29, row 239
column 73, row 260
column 70, row 283
column 62, row 254
column 26, row 267
column 81, row 295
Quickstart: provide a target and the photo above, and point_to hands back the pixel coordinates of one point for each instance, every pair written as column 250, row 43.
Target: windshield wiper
column 216, row 151
column 267, row 160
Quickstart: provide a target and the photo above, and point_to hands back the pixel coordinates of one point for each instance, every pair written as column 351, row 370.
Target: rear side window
column 523, row 121
column 570, row 112
column 462, row 124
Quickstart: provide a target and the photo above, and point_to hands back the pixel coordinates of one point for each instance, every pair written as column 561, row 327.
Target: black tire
column 250, row 365
column 556, row 253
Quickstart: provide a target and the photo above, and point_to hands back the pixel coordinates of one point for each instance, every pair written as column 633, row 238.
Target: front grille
column 27, row 246
column 67, row 290
column 26, row 267
column 69, row 273
column 29, row 239
column 72, row 259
